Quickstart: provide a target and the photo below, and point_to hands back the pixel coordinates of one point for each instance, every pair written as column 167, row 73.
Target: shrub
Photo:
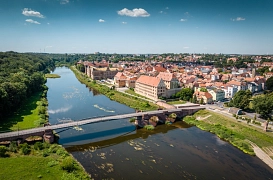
column 168, row 122
column 68, row 164
column 52, row 163
column 25, row 148
column 13, row 146
column 69, row 176
column 45, row 153
column 3, row 151
column 61, row 152
column 38, row 146
column 132, row 119
column 53, row 148
column 149, row 127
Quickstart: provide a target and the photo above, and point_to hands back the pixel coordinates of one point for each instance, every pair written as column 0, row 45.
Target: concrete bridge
column 47, row 132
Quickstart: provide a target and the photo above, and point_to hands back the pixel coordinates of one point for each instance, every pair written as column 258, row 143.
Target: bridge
column 47, row 134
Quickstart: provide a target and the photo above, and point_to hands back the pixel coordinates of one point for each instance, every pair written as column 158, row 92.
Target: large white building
column 150, row 87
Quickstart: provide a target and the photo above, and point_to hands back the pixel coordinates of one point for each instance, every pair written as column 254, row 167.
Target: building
column 217, row 94
column 100, row 73
column 150, row 87
column 169, row 79
column 120, row 80
column 207, row 97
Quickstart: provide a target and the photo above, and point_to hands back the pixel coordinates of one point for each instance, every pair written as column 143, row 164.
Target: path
column 262, row 155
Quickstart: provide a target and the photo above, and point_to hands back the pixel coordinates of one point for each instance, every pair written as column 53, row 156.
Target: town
column 212, row 78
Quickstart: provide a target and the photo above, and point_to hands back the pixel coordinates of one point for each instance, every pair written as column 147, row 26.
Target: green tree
column 263, row 105
column 202, row 101
column 185, row 94
column 269, row 83
column 202, row 89
column 241, row 99
column 194, row 99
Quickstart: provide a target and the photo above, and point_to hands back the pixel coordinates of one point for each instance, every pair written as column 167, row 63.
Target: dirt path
column 262, row 155
column 202, row 118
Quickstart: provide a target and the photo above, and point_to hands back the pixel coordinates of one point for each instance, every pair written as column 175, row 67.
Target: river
column 116, row 150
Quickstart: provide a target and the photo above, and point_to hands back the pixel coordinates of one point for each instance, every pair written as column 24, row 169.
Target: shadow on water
column 140, row 133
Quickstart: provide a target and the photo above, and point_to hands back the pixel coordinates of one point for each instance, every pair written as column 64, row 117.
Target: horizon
column 137, row 27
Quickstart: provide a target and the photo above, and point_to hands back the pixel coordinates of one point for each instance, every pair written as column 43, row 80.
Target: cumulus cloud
column 64, row 1
column 32, row 21
column 134, row 13
column 124, row 22
column 29, row 12
column 239, row 19
column 183, row 20
column 101, row 20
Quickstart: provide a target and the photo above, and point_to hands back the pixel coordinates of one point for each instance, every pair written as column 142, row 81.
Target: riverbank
column 33, row 113
column 114, row 95
column 236, row 133
column 41, row 160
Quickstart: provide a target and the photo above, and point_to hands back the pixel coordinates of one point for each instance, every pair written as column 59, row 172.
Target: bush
column 53, row 148
column 52, row 163
column 13, row 147
column 69, row 176
column 38, row 146
column 132, row 119
column 25, row 148
column 45, row 153
column 149, row 127
column 68, row 164
column 3, row 151
column 61, row 152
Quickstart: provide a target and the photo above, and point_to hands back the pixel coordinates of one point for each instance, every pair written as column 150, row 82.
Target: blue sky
column 137, row 26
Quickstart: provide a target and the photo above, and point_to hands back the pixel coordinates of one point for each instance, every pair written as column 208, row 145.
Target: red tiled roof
column 166, row 76
column 148, row 80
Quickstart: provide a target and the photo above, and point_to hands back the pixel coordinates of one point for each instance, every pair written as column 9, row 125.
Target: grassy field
column 129, row 91
column 52, row 76
column 235, row 132
column 25, row 117
column 122, row 98
column 176, row 102
column 51, row 162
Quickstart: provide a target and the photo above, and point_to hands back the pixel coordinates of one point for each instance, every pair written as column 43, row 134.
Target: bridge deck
column 93, row 120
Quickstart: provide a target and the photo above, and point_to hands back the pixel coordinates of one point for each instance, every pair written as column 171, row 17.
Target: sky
column 137, row 26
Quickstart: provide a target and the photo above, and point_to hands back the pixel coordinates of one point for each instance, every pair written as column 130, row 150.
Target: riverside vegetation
column 128, row 100
column 41, row 160
column 235, row 132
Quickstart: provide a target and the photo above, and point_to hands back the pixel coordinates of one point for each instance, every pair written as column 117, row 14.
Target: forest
column 21, row 75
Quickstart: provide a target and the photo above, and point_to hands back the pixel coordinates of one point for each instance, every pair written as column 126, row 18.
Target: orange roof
column 159, row 69
column 166, row 76
column 234, row 83
column 148, row 80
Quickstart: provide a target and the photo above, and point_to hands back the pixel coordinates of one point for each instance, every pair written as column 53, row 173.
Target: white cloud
column 32, row 21
column 64, row 1
column 183, row 20
column 101, row 20
column 124, row 22
column 29, row 12
column 48, row 46
column 161, row 12
column 186, row 47
column 239, row 19
column 167, row 8
column 134, row 13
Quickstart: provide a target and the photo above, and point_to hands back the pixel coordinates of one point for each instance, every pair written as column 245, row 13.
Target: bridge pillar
column 48, row 136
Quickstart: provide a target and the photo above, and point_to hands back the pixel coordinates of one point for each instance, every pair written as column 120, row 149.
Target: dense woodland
column 21, row 75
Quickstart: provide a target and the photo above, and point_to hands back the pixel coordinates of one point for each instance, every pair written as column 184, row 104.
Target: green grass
column 237, row 133
column 25, row 117
column 35, row 165
column 176, row 102
column 114, row 95
column 52, row 76
column 129, row 91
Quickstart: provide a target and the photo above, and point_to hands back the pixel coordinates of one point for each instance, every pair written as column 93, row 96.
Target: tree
column 185, row 94
column 263, row 105
column 194, row 99
column 269, row 83
column 241, row 99
column 202, row 101
column 202, row 89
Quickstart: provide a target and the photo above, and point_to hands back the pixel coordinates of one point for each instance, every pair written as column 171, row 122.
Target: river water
column 116, row 150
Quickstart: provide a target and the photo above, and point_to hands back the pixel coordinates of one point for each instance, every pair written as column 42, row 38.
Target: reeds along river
column 115, row 150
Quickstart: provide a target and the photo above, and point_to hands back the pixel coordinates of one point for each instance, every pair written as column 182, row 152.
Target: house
column 169, row 79
column 235, row 111
column 150, row 87
column 120, row 80
column 217, row 94
column 131, row 82
column 100, row 73
column 207, row 97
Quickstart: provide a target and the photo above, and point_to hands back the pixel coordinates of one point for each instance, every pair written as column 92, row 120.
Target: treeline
column 21, row 75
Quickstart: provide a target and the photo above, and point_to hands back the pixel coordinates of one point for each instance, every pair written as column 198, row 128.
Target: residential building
column 217, row 94
column 207, row 97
